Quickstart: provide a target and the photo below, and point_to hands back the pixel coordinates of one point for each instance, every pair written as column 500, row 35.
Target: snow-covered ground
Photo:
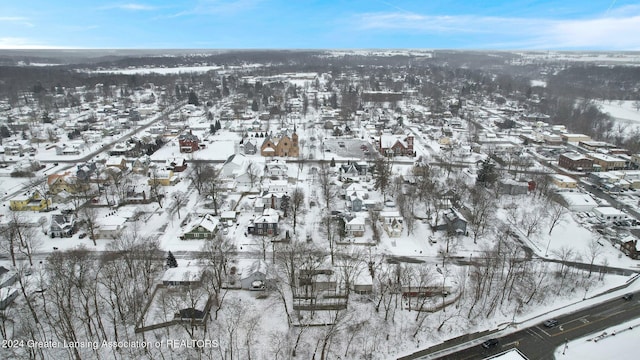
column 617, row 342
column 623, row 111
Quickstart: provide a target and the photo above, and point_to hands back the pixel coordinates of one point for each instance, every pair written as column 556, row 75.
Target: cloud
column 16, row 19
column 130, row 7
column 614, row 30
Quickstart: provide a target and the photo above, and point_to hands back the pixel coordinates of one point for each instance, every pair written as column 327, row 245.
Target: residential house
column 65, row 182
column 253, row 275
column 453, row 222
column 203, row 227
column 65, row 149
column 110, row 226
column 141, row 165
column 575, row 162
column 190, row 275
column 317, row 280
column 363, row 283
column 249, row 147
column 162, row 178
column 122, row 149
column 392, row 145
column 392, row 222
column 30, row 202
column 62, row 225
column 272, row 200
column 266, row 224
column 116, row 162
column 239, row 168
column 136, row 194
column 87, row 171
column 353, row 171
column 228, row 218
column 281, row 146
column 177, row 164
column 188, row 142
column 276, row 169
column 355, row 227
column 277, row 186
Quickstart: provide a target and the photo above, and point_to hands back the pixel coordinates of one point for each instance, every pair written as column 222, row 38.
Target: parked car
column 82, row 235
column 550, row 323
column 491, row 343
column 628, row 296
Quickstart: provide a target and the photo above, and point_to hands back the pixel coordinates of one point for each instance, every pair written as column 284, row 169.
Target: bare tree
column 556, row 213
column 483, row 208
column 217, row 254
column 89, row 218
column 297, row 205
column 326, row 185
column 178, row 200
column 253, row 171
column 155, row 187
column 212, row 187
column 198, row 174
column 593, row 252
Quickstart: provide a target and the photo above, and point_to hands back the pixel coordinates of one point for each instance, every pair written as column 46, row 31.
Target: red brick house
column 392, row 145
column 188, row 142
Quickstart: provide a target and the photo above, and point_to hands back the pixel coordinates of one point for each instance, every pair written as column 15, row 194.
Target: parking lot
column 348, row 148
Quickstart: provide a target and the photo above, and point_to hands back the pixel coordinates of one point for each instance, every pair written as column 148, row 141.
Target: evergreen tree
column 193, row 98
column 171, row 260
column 487, row 174
column 254, row 105
column 284, row 205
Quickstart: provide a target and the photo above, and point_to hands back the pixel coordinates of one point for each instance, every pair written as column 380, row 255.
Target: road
column 538, row 342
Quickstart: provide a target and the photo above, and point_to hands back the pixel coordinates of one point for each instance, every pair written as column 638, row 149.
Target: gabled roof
column 208, row 222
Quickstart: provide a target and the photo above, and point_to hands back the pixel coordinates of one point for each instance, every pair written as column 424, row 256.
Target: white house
column 276, row 168
column 355, row 227
column 110, row 226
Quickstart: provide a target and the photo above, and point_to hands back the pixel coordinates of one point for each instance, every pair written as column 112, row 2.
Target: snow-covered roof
column 356, row 221
column 574, row 198
column 248, row 267
column 189, row 273
column 608, row 211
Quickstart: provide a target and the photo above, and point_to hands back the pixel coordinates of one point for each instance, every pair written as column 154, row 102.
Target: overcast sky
column 327, row 24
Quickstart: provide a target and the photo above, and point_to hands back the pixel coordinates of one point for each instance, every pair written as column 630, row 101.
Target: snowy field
column 623, row 111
